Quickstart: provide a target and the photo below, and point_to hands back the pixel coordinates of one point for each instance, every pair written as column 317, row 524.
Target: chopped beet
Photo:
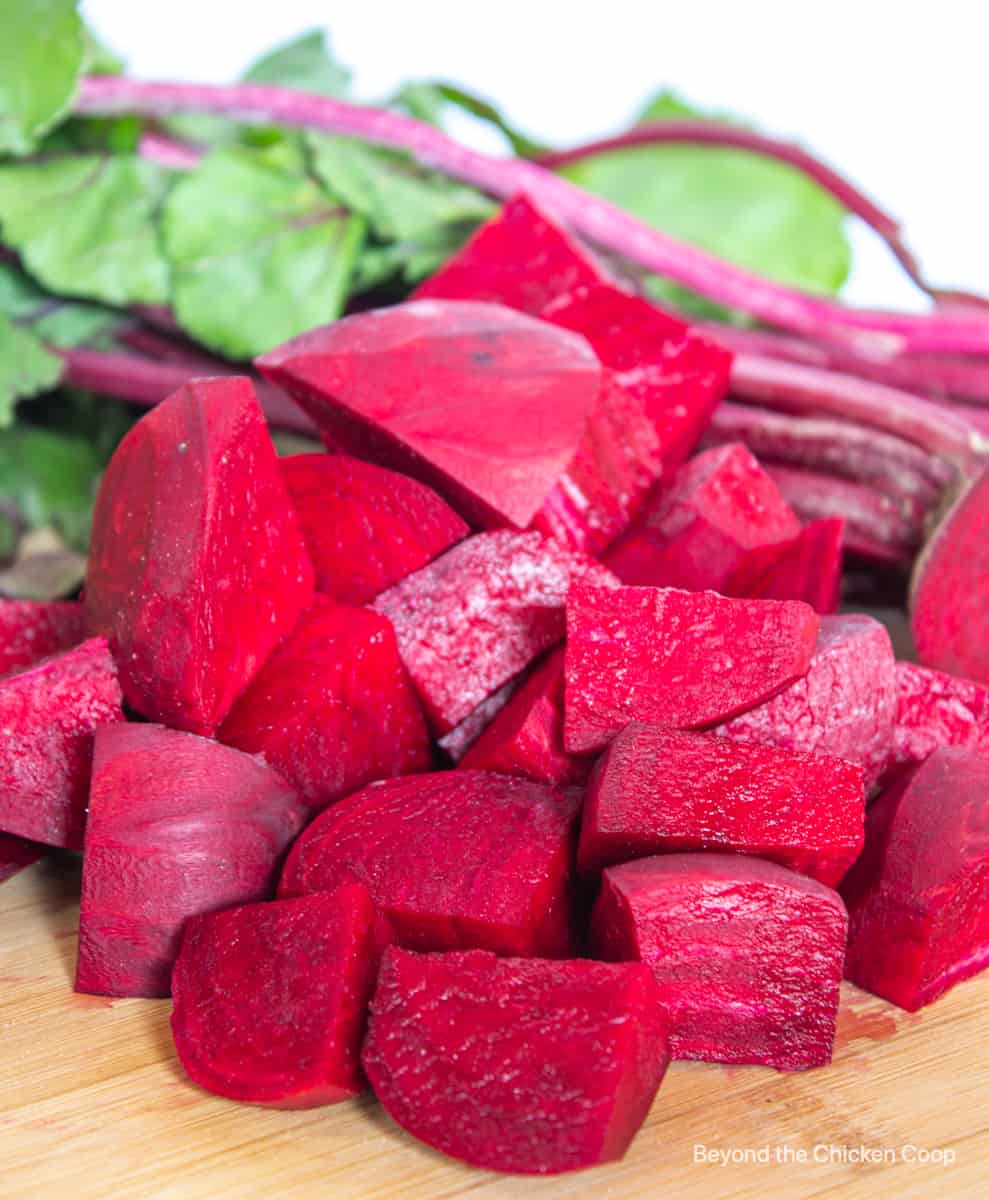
column 454, row 860
column 485, row 405
column 476, row 617
column 178, row 825
column 526, row 737
column 721, row 519
column 654, row 791
column 519, row 258
column 517, row 1065
column 461, row 737
column 918, row 898
column 844, row 707
column 48, row 714
column 808, row 568
column 33, row 629
column 678, row 376
column 747, row 954
column 16, row 854
column 197, row 568
column 674, row 658
column 934, row 710
column 270, row 1000
column 333, row 707
column 366, row 528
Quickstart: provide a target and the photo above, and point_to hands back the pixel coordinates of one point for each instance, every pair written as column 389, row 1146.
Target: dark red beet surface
column 461, row 737
column 16, row 854
column 747, row 954
column 333, row 707
column 196, row 568
column 654, row 791
column 48, row 715
column 526, row 1066
column 178, row 825
column 675, row 658
column 934, row 709
column 270, row 1000
column 808, row 568
column 454, row 860
column 33, row 629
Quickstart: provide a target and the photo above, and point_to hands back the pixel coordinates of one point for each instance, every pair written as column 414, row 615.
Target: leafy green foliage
column 305, row 63
column 54, row 320
column 26, row 368
column 51, row 478
column 432, row 102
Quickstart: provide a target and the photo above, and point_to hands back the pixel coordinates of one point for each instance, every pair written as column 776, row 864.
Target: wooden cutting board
column 93, row 1104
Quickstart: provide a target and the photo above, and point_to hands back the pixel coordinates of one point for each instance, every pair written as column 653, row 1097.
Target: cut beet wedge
column 475, row 618
column 747, row 955
column 525, row 1066
column 32, row 629
column 485, row 405
column 333, row 707
column 685, row 660
column 49, row 713
column 366, row 528
column 459, row 740
column 16, row 854
column 178, row 825
column 934, row 709
column 270, row 1000
column 197, row 568
column 918, row 898
column 454, row 860
column 844, row 707
column 654, row 791
column 808, row 568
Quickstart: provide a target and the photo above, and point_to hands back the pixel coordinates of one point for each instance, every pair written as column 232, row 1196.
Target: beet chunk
column 483, row 404
column 48, row 715
column 675, row 658
column 517, row 1065
column 654, row 791
column 519, row 258
column 808, row 568
column 197, row 568
column 32, row 629
column 178, row 825
column 270, row 1000
column 934, row 709
column 844, row 707
column 721, row 518
column 476, row 617
column 918, row 898
column 747, row 954
column 459, row 740
column 16, row 854
column 333, row 707
column 454, row 860
column 366, row 528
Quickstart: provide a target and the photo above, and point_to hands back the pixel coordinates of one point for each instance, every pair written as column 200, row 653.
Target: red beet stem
column 168, row 152
column 597, row 220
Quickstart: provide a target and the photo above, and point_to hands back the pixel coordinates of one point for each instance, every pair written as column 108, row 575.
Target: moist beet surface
column 32, row 629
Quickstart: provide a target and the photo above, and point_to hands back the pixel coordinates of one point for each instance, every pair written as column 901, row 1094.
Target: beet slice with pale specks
column 32, row 629
column 935, row 709
column 518, row 1065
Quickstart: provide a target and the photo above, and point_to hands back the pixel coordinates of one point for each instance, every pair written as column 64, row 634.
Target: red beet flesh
column 178, row 825
column 270, row 1000
column 747, row 954
column 454, row 860
column 197, row 568
column 517, row 1065
column 32, row 629
column 808, row 568
column 934, row 710
column 918, row 898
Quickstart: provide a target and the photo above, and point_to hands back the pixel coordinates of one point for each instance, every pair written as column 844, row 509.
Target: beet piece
column 675, row 658
column 526, row 737
column 517, row 1065
column 721, row 518
column 844, row 707
column 459, row 740
column 654, row 791
column 178, row 825
column 270, row 1000
column 476, row 617
column 519, row 258
column 454, row 860
column 333, row 707
column 16, row 854
column 808, row 568
column 747, row 954
column 32, row 629
column 48, row 714
column 934, row 709
column 366, row 528
column 918, row 898
column 485, row 405
column 678, row 376
column 197, row 568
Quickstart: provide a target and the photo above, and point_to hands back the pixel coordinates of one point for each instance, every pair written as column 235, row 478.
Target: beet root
column 453, row 860
column 934, row 709
column 518, row 1065
column 270, row 1000
column 808, row 568
column 178, row 825
column 32, row 629
column 747, row 955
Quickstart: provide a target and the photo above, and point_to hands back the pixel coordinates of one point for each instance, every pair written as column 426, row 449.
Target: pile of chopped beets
column 513, row 746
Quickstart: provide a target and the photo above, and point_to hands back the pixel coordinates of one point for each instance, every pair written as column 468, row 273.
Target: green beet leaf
column 50, row 479
column 26, row 368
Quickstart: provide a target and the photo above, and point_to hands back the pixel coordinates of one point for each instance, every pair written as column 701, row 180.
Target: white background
column 895, row 94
